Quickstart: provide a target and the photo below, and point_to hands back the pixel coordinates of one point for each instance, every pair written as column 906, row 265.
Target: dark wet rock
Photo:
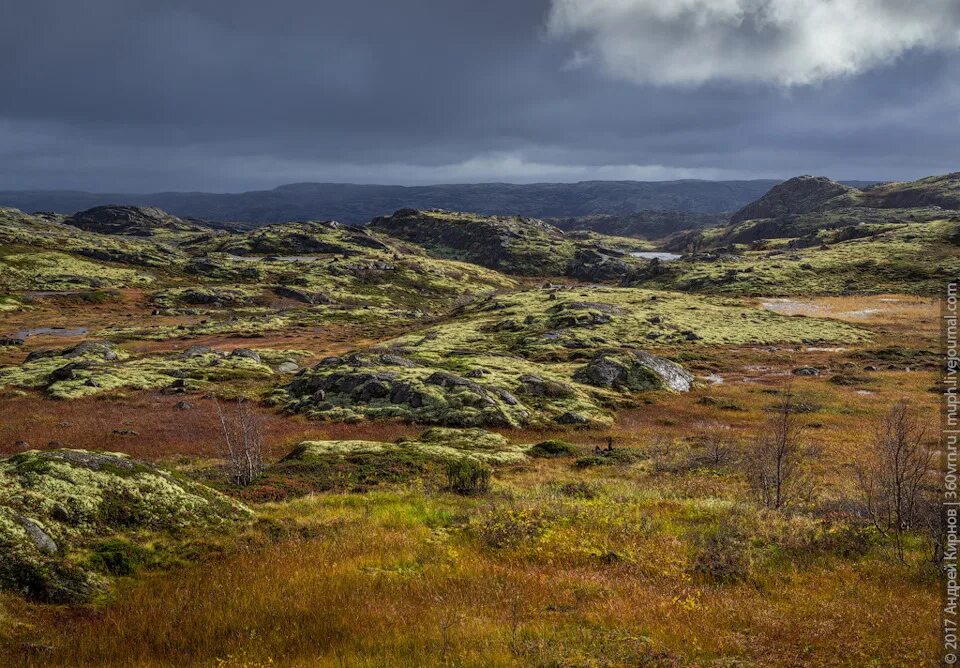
column 597, row 264
column 69, row 371
column 806, row 371
column 11, row 341
column 126, row 432
column 183, row 406
column 476, row 373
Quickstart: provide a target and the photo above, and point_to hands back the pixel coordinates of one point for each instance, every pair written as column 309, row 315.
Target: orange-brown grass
column 372, row 582
column 162, row 430
column 897, row 311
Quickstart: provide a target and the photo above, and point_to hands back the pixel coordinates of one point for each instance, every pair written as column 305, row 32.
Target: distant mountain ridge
column 358, row 204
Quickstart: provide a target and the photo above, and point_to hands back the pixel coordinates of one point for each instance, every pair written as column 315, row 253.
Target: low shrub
column 723, row 557
column 117, row 557
column 468, row 476
column 553, row 448
column 508, row 528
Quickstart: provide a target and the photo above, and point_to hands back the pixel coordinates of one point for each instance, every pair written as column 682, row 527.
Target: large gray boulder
column 634, row 370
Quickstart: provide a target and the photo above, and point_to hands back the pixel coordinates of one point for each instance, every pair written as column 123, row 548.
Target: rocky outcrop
column 306, row 238
column 513, row 244
column 634, row 370
column 138, row 221
column 801, row 194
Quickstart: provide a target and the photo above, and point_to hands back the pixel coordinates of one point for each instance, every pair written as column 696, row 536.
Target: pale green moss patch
column 54, row 503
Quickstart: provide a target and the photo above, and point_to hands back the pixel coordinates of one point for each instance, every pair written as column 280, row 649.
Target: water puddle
column 25, row 334
column 282, row 258
column 652, row 255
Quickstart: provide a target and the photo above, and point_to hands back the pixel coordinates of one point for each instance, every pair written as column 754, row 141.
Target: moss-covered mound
column 48, row 231
column 303, row 239
column 826, row 254
column 390, row 386
column 54, row 505
column 93, row 367
column 314, row 466
column 436, row 444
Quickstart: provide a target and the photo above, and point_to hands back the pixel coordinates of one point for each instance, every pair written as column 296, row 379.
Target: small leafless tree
column 776, row 462
column 718, row 449
column 242, row 443
column 892, row 479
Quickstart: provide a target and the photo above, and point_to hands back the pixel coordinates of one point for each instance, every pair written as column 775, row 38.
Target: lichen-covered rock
column 634, row 370
column 53, row 503
column 389, row 386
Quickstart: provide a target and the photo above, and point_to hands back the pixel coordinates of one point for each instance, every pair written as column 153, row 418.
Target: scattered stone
column 288, row 367
column 183, row 406
column 571, row 417
column 126, row 432
column 246, row 353
column 40, row 539
column 542, row 387
column 196, row 351
column 806, row 371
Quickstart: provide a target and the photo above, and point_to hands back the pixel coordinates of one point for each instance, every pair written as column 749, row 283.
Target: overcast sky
column 144, row 96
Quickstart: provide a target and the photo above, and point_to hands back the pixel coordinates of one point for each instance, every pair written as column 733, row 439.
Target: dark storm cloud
column 145, row 96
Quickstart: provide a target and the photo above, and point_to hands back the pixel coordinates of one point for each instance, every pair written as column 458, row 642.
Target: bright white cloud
column 786, row 42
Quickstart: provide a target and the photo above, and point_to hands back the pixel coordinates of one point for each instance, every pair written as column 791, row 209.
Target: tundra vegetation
column 453, row 439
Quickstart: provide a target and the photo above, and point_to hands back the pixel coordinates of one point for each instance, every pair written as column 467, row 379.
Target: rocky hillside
column 133, row 221
column 801, row 194
column 942, row 191
column 648, row 224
